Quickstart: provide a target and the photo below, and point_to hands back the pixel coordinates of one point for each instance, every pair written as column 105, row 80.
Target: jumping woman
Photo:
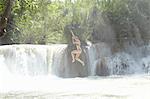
column 76, row 53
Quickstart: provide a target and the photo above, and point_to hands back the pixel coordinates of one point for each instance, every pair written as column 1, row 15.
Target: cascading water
column 42, row 60
column 133, row 61
column 31, row 59
column 24, row 59
column 95, row 54
column 57, row 58
column 47, row 71
column 31, row 68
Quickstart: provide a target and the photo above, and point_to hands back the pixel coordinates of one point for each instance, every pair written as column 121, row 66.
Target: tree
column 5, row 16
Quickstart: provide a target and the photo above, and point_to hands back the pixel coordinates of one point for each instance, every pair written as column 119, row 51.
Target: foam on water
column 128, row 87
column 36, row 60
column 27, row 69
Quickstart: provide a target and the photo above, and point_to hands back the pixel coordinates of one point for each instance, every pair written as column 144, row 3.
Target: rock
column 101, row 68
column 70, row 69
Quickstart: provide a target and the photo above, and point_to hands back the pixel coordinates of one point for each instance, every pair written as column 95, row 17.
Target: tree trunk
column 5, row 16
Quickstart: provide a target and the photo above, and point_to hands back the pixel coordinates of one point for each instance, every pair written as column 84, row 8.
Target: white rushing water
column 30, row 59
column 31, row 72
column 48, row 87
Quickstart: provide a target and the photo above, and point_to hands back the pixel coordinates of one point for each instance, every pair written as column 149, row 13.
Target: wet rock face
column 102, row 50
column 97, row 54
column 99, row 60
column 69, row 69
column 101, row 68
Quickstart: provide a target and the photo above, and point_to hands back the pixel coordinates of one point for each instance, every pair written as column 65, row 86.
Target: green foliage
column 1, row 6
column 46, row 21
column 125, row 14
column 39, row 21
column 118, row 13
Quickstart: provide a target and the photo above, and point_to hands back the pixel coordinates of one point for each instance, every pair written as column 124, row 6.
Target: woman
column 76, row 53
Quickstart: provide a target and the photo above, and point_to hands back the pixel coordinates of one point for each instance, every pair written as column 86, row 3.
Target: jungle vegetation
column 50, row 21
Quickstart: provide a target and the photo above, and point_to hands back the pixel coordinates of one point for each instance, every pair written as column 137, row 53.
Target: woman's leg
column 73, row 54
column 78, row 59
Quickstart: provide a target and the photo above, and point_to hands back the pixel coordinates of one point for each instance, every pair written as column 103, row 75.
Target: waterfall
column 92, row 62
column 29, row 59
column 132, row 61
column 33, row 60
column 57, row 58
column 95, row 55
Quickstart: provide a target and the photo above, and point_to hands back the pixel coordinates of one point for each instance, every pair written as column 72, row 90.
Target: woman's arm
column 77, row 41
column 73, row 40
